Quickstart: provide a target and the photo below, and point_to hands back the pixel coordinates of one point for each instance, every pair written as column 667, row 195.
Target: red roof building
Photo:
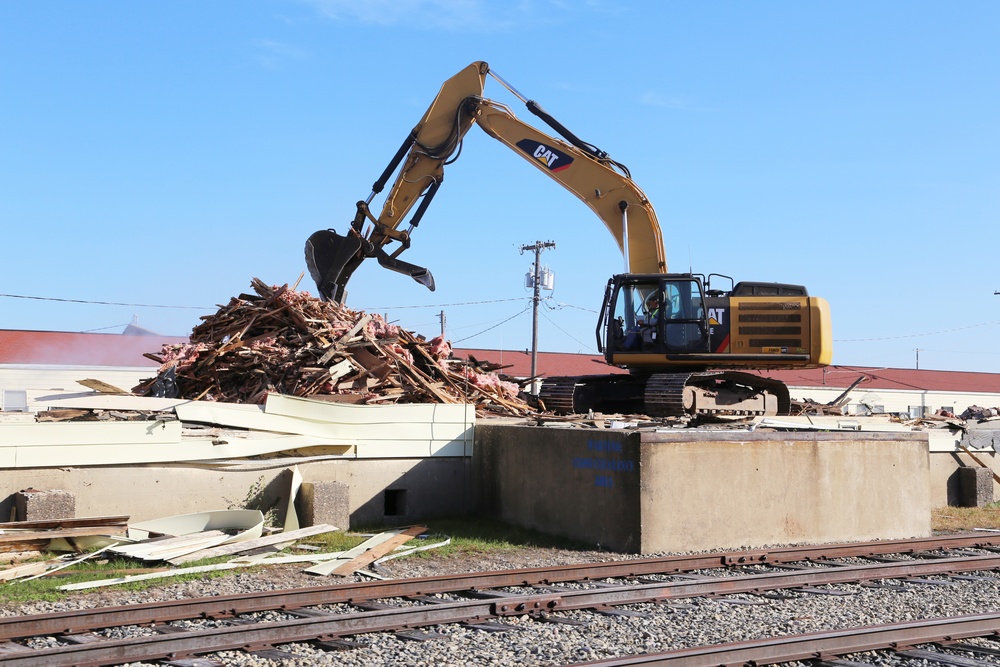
column 518, row 364
column 912, row 391
column 63, row 348
column 890, row 389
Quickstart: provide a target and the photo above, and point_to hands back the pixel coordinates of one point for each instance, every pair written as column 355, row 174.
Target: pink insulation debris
column 491, row 381
column 440, row 349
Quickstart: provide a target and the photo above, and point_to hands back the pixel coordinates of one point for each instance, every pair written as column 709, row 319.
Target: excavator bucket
column 331, row 259
column 418, row 273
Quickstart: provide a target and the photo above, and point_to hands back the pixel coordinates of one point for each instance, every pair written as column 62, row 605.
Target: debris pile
column 974, row 412
column 285, row 341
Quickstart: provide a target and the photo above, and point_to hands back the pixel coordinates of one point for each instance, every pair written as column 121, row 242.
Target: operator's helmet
column 651, row 304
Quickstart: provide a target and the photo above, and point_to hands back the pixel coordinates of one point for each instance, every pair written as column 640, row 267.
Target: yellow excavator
column 687, row 343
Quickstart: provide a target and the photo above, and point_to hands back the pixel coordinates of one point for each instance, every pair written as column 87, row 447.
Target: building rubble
column 289, row 342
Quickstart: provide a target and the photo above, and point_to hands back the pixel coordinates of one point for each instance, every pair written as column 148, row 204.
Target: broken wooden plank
column 28, row 569
column 975, row 458
column 267, row 540
column 68, row 522
column 367, row 552
column 101, row 386
column 166, row 548
column 51, row 415
column 16, row 537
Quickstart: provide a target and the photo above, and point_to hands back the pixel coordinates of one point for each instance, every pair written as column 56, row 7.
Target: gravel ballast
column 689, row 623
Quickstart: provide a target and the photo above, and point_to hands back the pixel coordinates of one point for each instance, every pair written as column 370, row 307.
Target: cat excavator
column 689, row 344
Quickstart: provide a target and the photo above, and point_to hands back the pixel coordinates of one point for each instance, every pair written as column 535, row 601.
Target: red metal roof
column 101, row 349
column 553, row 363
column 80, row 349
column 550, row 364
column 907, row 379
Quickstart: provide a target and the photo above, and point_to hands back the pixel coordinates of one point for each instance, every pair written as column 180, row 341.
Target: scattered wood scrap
column 367, row 552
column 39, row 535
column 250, row 545
column 285, row 341
column 101, row 386
column 834, row 407
column 116, row 521
column 29, row 569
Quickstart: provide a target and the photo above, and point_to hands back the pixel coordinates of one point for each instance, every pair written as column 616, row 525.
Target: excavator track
column 717, row 393
column 664, row 394
column 707, row 393
column 557, row 394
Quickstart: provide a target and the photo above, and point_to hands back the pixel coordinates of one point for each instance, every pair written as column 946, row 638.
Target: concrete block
column 691, row 490
column 35, row 505
column 324, row 502
column 975, row 486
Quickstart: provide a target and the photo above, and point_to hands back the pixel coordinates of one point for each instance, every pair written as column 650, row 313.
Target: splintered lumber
column 367, row 552
column 118, row 521
column 278, row 340
column 26, row 540
column 249, row 545
column 101, row 386
column 28, row 569
column 979, row 461
column 166, row 548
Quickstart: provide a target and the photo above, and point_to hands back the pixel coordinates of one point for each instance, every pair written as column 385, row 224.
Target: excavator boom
column 436, row 140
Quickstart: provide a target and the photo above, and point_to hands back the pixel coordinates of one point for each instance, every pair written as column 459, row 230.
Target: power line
column 559, row 305
column 568, row 334
column 100, row 303
column 929, row 333
column 526, row 309
column 114, row 326
column 442, row 305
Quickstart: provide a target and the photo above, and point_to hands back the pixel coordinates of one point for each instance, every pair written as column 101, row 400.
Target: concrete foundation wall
column 572, row 483
column 417, row 488
column 654, row 492
column 723, row 490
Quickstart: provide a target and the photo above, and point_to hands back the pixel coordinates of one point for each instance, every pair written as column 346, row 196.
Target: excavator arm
column 601, row 183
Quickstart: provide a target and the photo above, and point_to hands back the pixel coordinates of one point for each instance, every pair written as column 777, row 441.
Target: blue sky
column 163, row 154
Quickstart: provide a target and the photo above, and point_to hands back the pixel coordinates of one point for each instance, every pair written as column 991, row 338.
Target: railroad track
column 336, row 617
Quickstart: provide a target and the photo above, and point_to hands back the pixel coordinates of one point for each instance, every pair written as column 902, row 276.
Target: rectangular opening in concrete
column 395, row 502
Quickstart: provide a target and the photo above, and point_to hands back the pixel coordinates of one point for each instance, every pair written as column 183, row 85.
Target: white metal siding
column 63, row 379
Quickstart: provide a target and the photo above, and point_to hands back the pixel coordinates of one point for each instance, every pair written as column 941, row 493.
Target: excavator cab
column 658, row 314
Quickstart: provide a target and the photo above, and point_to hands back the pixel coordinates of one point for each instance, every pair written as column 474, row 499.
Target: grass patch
column 964, row 519
column 469, row 536
column 489, row 536
column 20, row 591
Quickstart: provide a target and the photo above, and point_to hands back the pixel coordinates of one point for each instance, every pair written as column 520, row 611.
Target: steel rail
column 14, row 627
column 326, row 626
column 816, row 645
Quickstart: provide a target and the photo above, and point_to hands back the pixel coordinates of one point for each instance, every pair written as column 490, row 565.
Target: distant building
column 881, row 390
column 54, row 361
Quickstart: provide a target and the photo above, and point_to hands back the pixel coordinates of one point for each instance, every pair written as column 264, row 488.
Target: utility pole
column 918, row 351
column 444, row 321
column 537, row 248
